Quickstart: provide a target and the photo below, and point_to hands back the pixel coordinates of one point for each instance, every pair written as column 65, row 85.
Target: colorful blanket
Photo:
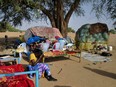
column 54, row 53
column 14, row 81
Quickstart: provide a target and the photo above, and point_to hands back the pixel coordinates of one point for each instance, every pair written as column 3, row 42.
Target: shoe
column 30, row 76
column 50, row 78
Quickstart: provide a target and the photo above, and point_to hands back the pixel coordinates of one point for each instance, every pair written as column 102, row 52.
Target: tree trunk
column 63, row 28
column 57, row 18
column 61, row 23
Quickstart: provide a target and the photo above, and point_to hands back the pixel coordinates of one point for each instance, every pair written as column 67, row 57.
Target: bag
column 106, row 54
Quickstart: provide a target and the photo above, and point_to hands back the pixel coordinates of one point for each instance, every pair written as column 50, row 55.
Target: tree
column 7, row 27
column 105, row 7
column 58, row 12
column 14, row 11
column 71, row 30
column 112, row 31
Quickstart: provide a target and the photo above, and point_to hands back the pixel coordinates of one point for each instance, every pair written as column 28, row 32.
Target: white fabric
column 56, row 46
column 69, row 44
column 94, row 57
column 62, row 43
column 45, row 46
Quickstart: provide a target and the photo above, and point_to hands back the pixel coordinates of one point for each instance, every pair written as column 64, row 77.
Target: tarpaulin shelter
column 88, row 34
column 47, row 32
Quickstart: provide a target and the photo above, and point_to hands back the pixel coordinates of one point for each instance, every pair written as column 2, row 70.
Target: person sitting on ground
column 34, row 64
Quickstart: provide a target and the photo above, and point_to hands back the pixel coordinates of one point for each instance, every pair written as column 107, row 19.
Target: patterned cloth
column 41, row 67
column 14, row 81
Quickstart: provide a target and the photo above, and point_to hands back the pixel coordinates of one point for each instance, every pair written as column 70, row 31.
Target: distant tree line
column 71, row 30
column 112, row 31
column 8, row 27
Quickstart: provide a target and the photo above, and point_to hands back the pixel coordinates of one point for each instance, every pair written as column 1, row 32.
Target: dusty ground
column 71, row 73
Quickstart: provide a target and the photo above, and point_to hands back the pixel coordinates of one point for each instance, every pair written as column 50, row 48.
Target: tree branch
column 71, row 10
column 50, row 16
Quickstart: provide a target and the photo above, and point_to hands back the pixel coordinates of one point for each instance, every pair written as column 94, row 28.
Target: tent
column 47, row 32
column 88, row 34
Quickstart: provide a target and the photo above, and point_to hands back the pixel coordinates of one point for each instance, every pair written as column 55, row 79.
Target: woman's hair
column 37, row 52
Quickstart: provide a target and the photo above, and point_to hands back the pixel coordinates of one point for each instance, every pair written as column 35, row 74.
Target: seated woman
column 35, row 64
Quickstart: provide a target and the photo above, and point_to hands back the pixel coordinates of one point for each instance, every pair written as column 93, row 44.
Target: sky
column 75, row 22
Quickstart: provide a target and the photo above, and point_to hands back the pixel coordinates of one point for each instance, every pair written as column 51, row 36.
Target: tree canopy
column 14, row 11
column 105, row 7
column 8, row 27
column 58, row 12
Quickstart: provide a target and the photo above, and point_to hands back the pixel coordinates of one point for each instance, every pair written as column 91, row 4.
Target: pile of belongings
column 89, row 35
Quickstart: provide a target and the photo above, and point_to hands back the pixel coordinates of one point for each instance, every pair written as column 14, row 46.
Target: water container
column 110, row 48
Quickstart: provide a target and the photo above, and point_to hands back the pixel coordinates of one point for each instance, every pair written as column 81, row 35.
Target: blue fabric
column 18, row 41
column 28, row 54
column 60, row 38
column 34, row 39
column 30, row 41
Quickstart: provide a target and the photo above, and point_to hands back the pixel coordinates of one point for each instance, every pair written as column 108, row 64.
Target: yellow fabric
column 82, row 46
column 88, row 46
column 22, row 38
column 33, row 57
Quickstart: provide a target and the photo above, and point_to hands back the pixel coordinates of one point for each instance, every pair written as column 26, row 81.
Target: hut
column 90, row 34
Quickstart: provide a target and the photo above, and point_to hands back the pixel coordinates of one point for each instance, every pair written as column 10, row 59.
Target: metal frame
column 11, row 59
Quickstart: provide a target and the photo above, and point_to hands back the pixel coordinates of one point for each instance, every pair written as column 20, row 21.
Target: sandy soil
column 71, row 73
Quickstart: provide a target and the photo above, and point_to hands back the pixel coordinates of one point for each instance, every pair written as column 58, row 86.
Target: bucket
column 110, row 48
